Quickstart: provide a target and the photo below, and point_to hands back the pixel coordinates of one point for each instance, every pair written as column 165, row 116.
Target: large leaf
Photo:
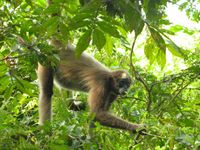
column 82, row 16
column 161, row 58
column 150, row 50
column 52, row 9
column 108, row 28
column 64, row 31
column 8, row 92
column 109, row 45
column 133, row 17
column 51, row 25
column 158, row 39
column 24, row 86
column 4, row 82
column 75, row 25
column 176, row 28
column 174, row 49
column 29, row 2
column 99, row 39
column 81, row 20
column 3, row 70
column 161, row 45
column 50, row 21
column 17, row 3
column 83, row 42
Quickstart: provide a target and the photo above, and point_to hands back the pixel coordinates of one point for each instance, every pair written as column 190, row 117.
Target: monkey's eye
column 122, row 83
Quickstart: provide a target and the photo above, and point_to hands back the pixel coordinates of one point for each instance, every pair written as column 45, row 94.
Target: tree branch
column 139, row 78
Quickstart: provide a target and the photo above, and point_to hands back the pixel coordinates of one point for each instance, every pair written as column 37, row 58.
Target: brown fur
column 83, row 74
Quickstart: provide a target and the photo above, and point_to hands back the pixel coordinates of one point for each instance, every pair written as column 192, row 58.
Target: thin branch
column 179, row 108
column 131, row 97
column 11, row 58
column 193, row 89
column 137, row 139
column 139, row 78
column 176, row 93
column 179, row 91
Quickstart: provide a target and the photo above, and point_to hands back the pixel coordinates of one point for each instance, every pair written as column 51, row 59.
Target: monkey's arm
column 107, row 119
column 97, row 108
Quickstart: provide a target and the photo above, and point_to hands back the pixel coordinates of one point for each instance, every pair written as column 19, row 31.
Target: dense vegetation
column 132, row 34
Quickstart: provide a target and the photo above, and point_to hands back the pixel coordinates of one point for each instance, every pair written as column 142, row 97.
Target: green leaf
column 150, row 50
column 52, row 9
column 17, row 3
column 109, row 45
column 79, row 24
column 161, row 58
column 188, row 31
column 81, row 20
column 51, row 25
column 153, row 52
column 110, row 20
column 174, row 49
column 4, row 82
column 41, row 3
column 82, row 16
column 108, row 28
column 29, row 2
column 187, row 122
column 24, row 86
column 99, row 39
column 83, row 42
column 64, row 31
column 158, row 39
column 8, row 92
column 176, row 28
column 3, row 70
column 133, row 18
column 145, row 4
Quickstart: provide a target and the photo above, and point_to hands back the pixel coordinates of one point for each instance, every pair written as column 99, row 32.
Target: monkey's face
column 123, row 83
column 123, row 86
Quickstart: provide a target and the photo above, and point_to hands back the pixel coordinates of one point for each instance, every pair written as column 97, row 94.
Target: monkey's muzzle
column 123, row 91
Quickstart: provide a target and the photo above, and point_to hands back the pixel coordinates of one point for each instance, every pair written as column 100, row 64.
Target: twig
column 174, row 97
column 14, row 57
column 139, row 78
column 131, row 97
column 153, row 135
column 143, row 133
column 179, row 108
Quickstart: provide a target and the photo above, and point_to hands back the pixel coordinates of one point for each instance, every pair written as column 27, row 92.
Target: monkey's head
column 122, row 81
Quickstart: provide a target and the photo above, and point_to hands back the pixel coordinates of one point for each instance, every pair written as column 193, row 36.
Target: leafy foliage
column 167, row 101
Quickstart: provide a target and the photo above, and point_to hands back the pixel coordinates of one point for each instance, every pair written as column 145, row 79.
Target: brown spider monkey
column 88, row 75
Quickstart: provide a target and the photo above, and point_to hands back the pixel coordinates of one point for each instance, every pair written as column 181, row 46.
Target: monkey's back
column 79, row 73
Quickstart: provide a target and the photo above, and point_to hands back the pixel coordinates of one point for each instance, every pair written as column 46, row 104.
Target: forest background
column 157, row 41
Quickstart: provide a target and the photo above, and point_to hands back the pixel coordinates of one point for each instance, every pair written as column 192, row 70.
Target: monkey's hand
column 141, row 129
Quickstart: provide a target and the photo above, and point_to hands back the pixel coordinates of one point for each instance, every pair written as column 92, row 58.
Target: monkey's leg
column 45, row 76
